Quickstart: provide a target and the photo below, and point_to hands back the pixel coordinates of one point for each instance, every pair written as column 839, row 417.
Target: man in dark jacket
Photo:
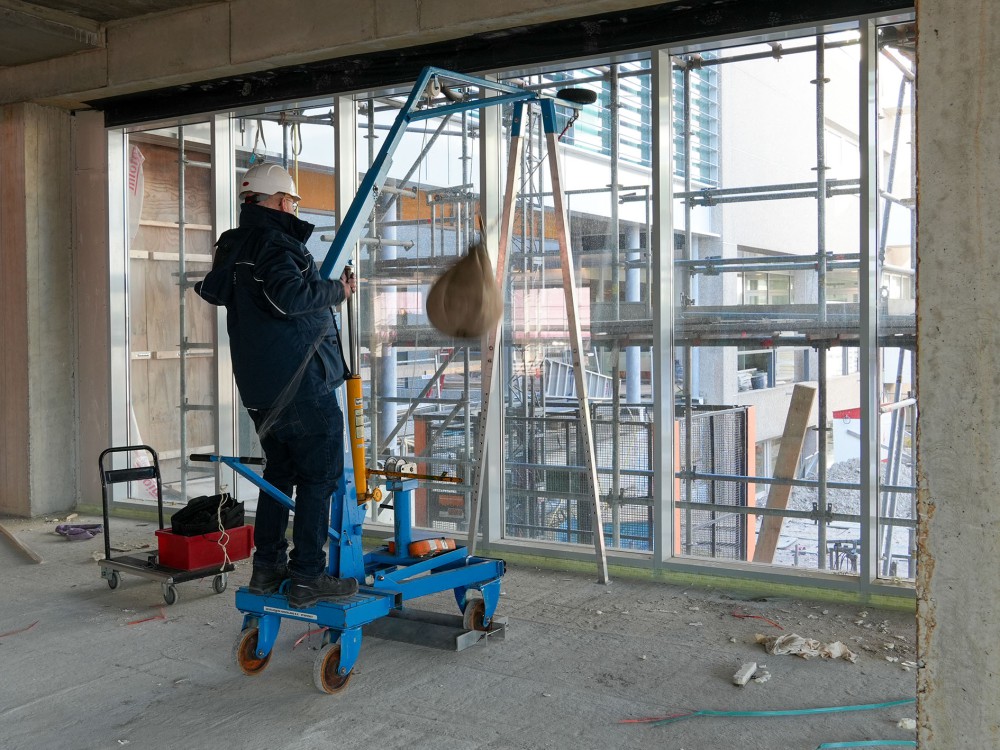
column 288, row 363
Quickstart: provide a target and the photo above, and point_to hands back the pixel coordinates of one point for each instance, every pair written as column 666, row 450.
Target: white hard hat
column 268, row 179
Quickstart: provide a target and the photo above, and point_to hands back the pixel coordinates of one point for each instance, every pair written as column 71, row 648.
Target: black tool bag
column 202, row 515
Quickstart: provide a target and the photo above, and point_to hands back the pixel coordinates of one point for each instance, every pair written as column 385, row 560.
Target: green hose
column 869, row 743
column 789, row 712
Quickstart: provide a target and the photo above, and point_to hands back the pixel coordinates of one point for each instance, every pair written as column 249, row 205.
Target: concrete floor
column 579, row 657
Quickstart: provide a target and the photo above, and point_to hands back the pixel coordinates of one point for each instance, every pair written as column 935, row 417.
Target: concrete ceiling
column 44, row 29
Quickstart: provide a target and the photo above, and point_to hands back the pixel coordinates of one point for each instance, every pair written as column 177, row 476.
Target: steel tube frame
column 868, row 288
column 370, row 188
column 226, row 414
column 809, row 515
column 661, row 284
column 684, row 301
column 181, row 306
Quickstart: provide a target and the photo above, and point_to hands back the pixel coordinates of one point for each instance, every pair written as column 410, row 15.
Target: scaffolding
column 625, row 323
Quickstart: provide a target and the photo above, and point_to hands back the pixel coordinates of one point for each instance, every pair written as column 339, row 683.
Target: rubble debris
column 745, row 673
column 805, row 647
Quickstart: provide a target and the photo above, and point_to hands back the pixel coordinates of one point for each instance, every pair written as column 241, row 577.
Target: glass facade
column 785, row 332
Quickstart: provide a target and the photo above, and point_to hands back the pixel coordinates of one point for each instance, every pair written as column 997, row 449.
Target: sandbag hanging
column 465, row 301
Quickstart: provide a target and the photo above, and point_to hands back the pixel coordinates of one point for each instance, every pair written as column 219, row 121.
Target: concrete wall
column 958, row 371
column 38, row 334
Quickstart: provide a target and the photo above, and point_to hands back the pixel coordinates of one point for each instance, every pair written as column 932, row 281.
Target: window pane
column 896, row 268
column 545, row 495
column 767, row 307
column 172, row 332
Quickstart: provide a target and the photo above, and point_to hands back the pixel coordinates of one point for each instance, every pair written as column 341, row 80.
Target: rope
column 223, row 534
column 296, row 150
column 258, row 138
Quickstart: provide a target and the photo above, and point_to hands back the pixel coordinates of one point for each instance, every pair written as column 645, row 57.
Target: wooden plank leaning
column 792, row 438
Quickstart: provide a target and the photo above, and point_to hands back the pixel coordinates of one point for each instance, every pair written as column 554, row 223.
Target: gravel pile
column 849, row 501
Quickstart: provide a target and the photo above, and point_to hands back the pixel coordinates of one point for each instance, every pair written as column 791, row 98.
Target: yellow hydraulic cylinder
column 356, row 427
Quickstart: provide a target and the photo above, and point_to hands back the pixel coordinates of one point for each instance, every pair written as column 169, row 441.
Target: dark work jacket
column 278, row 309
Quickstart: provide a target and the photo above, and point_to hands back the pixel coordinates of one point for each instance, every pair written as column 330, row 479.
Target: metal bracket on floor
column 433, row 629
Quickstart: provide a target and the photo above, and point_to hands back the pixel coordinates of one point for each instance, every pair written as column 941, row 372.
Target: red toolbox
column 203, row 550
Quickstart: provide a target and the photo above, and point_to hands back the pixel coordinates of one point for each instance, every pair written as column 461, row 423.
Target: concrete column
column 38, row 453
column 91, row 270
column 958, row 361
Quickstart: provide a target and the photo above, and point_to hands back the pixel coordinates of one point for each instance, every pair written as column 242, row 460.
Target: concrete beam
column 54, row 22
column 56, row 81
column 318, row 25
column 227, row 39
column 176, row 46
column 30, row 33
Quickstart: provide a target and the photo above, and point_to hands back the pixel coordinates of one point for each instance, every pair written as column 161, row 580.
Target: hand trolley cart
column 147, row 566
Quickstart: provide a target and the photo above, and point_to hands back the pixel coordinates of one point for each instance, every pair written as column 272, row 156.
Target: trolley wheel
column 326, row 670
column 219, row 583
column 170, row 593
column 245, row 652
column 472, row 617
column 113, row 580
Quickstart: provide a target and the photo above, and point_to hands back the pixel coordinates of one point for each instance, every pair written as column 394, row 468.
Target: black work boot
column 267, row 580
column 306, row 592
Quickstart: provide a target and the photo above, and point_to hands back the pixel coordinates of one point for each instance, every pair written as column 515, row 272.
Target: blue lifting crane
column 414, row 563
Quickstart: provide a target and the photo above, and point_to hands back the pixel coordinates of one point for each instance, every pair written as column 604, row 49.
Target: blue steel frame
column 353, row 224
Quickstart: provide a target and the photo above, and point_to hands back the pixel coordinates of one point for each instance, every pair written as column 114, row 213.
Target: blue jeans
column 304, row 448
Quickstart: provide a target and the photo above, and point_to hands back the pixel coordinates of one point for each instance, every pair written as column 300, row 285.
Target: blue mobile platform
column 388, row 578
